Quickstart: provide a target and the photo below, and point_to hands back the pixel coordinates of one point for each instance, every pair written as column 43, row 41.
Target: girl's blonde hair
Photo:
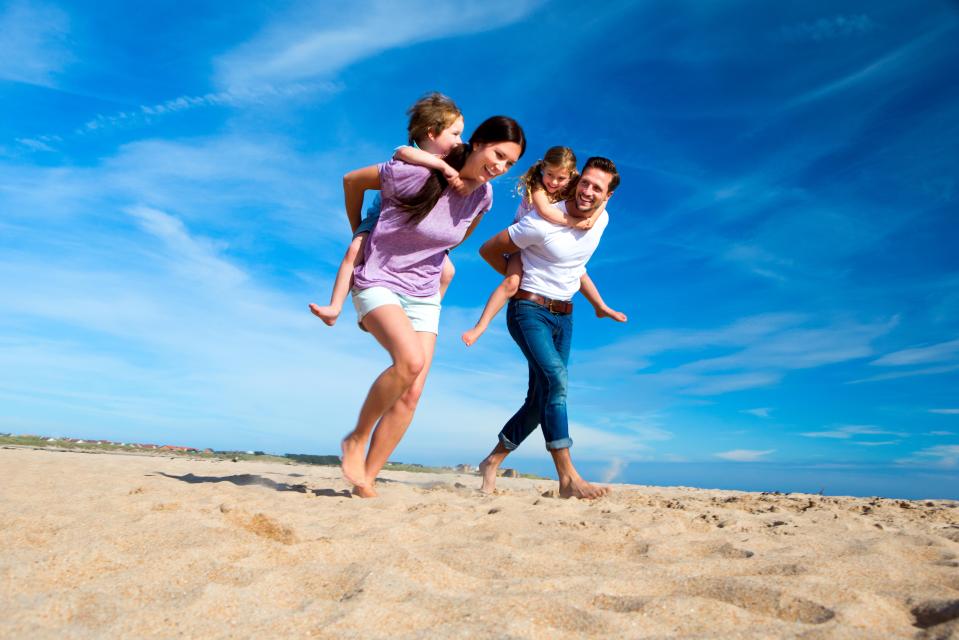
column 561, row 157
column 434, row 112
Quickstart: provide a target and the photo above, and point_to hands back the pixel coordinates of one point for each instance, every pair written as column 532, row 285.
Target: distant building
column 464, row 468
column 510, row 473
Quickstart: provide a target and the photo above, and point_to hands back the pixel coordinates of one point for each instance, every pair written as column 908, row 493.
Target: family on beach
column 432, row 195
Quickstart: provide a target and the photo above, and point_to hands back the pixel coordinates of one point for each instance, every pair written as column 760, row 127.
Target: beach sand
column 106, row 545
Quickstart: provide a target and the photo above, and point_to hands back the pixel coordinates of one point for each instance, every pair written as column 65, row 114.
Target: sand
column 105, row 545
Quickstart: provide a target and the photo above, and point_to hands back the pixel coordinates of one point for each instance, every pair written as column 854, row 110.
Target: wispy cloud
column 947, row 412
column 940, row 352
column 316, row 40
column 760, row 412
column 946, row 455
column 851, row 431
column 831, row 28
column 614, row 470
column 34, row 42
column 744, row 455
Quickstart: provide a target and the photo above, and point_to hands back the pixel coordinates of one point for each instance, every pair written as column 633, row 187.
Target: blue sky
column 783, row 239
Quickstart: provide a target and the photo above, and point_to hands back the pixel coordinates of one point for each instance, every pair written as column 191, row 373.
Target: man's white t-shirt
column 554, row 256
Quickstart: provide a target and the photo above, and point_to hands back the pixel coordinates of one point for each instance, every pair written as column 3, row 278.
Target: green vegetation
column 302, row 458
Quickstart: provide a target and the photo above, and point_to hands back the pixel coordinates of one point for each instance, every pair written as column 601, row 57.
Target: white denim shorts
column 424, row 313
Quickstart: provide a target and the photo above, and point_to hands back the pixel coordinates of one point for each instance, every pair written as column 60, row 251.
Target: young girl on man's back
column 547, row 182
column 435, row 127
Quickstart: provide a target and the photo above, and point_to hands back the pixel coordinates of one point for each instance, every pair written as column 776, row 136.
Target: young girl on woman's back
column 547, row 182
column 435, row 127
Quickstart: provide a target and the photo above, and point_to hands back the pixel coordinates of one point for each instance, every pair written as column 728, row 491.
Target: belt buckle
column 549, row 306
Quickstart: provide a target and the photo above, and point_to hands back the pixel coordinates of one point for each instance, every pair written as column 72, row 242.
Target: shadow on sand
column 249, row 479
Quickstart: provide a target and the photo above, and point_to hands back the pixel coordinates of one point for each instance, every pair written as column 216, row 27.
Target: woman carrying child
column 435, row 127
column 397, row 287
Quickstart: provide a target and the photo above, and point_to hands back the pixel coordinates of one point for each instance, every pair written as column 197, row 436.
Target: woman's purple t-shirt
column 407, row 258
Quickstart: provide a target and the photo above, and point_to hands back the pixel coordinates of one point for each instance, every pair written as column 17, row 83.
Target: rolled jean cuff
column 562, row 443
column 509, row 446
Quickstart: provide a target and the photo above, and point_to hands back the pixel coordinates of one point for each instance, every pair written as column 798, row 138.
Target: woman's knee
column 409, row 365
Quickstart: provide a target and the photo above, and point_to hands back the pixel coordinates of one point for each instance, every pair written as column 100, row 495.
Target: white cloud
column 948, row 412
column 614, row 470
column 744, row 455
column 850, row 431
column 317, row 40
column 940, row 352
column 946, row 455
column 34, row 43
column 760, row 412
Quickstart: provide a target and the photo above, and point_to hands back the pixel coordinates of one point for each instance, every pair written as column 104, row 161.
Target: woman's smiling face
column 489, row 160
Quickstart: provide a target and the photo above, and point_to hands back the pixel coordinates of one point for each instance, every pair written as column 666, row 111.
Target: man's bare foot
column 473, row 335
column 618, row 316
column 488, row 469
column 327, row 314
column 365, row 492
column 579, row 488
column 352, row 463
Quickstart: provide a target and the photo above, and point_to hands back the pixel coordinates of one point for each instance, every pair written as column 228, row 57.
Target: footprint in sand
column 620, row 604
column 931, row 613
column 762, row 600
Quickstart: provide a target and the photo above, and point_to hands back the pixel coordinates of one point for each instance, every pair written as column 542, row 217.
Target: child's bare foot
column 610, row 313
column 488, row 469
column 352, row 463
column 471, row 336
column 327, row 314
column 579, row 488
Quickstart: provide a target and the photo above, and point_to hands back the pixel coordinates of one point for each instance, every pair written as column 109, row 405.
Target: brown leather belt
column 562, row 307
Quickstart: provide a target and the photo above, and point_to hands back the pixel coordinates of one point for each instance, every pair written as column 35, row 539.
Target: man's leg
column 555, row 421
column 518, row 427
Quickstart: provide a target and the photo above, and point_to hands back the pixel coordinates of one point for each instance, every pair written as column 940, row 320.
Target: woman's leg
column 397, row 418
column 500, row 296
column 393, row 330
column 343, row 282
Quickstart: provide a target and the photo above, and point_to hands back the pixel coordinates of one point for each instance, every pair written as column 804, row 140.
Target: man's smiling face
column 592, row 192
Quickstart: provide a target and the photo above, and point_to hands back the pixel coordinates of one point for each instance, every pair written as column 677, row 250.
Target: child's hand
column 453, row 179
column 583, row 224
column 606, row 312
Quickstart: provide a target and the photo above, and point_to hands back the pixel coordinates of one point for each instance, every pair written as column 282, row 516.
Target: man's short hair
column 606, row 165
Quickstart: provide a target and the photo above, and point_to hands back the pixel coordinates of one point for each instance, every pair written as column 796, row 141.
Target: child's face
column 446, row 139
column 555, row 178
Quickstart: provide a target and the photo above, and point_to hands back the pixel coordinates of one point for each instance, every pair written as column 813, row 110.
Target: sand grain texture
column 109, row 545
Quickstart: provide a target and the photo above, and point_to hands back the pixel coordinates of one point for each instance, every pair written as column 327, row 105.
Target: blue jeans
column 544, row 338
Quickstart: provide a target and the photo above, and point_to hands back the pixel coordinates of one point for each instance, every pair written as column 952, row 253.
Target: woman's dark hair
column 491, row 131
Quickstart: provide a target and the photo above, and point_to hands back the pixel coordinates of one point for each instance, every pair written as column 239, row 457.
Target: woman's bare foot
column 365, row 492
column 579, row 488
column 327, row 314
column 472, row 335
column 352, row 463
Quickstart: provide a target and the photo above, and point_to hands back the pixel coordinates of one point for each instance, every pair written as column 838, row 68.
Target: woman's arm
column 591, row 293
column 412, row 155
column 355, row 183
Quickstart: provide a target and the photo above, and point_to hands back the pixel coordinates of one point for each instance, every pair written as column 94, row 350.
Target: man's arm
column 354, row 184
column 591, row 293
column 495, row 250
